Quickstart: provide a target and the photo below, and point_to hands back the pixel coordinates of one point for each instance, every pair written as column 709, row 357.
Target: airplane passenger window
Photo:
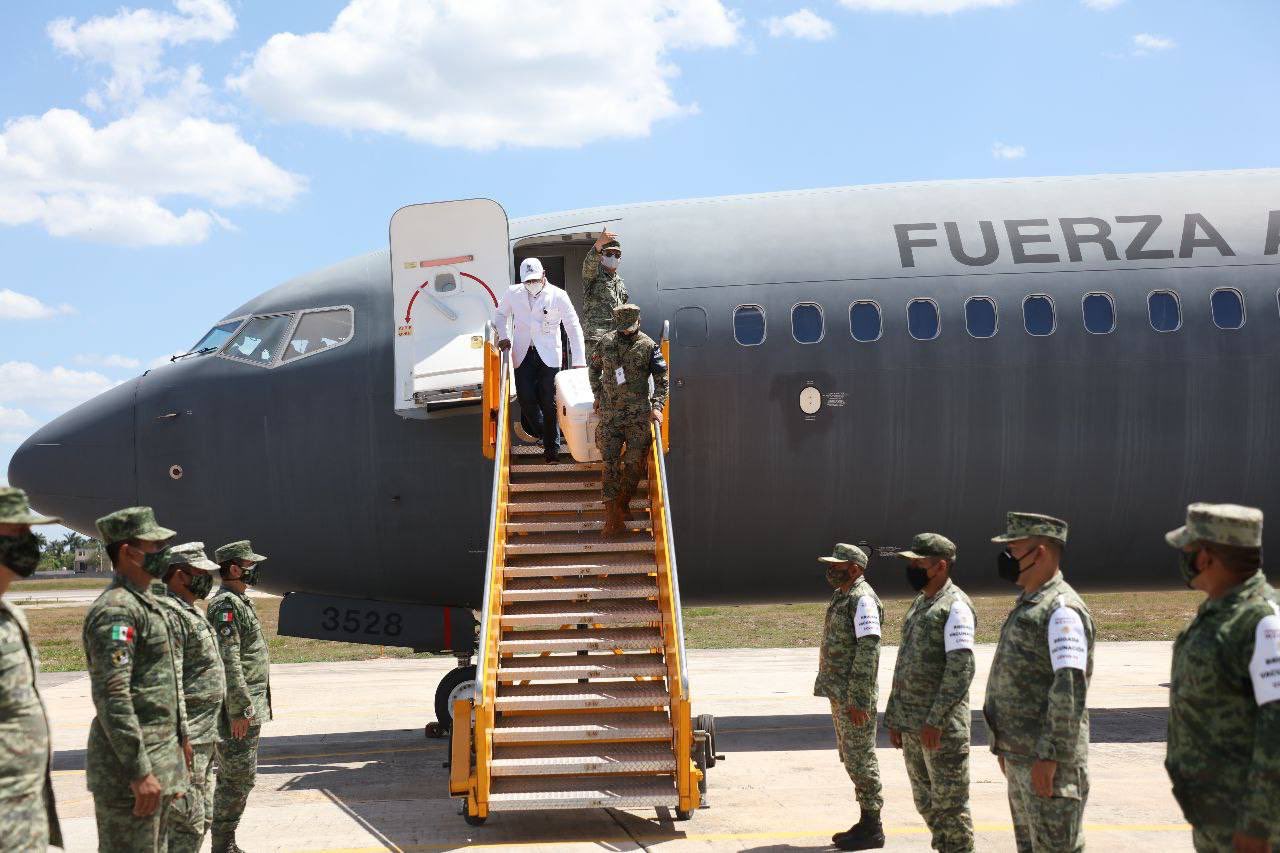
column 806, row 323
column 218, row 335
column 318, row 331
column 1099, row 313
column 748, row 325
column 922, row 319
column 980, row 316
column 864, row 321
column 1037, row 315
column 259, row 340
column 1164, row 311
column 1228, row 308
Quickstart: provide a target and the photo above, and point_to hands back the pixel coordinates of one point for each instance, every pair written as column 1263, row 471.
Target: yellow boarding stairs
column 581, row 693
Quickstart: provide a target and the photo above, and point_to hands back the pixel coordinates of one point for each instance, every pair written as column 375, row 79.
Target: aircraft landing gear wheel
column 472, row 820
column 435, row 731
column 707, row 723
column 457, row 684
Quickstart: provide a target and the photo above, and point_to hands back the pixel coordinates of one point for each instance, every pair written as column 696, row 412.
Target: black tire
column 454, row 679
column 681, row 814
column 707, row 723
column 472, row 820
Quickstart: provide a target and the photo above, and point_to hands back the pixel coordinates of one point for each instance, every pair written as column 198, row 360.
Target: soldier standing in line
column 28, row 816
column 848, row 664
column 1224, row 703
column 603, row 291
column 248, row 705
column 1035, row 704
column 138, row 752
column 623, row 363
column 928, row 711
column 203, row 688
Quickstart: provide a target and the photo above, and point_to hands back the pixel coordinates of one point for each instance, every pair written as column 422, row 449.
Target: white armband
column 1265, row 666
column 958, row 633
column 866, row 618
column 1068, row 645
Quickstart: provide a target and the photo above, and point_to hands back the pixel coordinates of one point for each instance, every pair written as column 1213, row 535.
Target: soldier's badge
column 120, row 657
column 225, row 630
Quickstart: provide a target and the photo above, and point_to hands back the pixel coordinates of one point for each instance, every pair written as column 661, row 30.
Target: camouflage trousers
column 1047, row 824
column 24, row 824
column 857, row 746
column 237, row 770
column 623, row 468
column 1212, row 839
column 190, row 816
column 940, row 787
column 120, row 832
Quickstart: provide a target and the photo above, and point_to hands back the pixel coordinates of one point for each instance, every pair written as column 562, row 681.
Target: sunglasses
column 613, row 253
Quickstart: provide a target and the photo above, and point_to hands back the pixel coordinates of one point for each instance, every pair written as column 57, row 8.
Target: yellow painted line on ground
column 732, row 836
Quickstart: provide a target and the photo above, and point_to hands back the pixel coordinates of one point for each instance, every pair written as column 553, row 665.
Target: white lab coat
column 538, row 324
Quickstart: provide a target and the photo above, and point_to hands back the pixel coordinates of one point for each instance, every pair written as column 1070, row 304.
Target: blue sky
column 197, row 155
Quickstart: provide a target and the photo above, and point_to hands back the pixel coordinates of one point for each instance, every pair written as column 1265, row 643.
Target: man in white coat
column 537, row 313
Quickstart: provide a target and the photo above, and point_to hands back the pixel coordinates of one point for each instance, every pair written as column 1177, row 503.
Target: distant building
column 87, row 560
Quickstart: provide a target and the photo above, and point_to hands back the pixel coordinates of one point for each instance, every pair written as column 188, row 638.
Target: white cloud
column 1102, row 5
column 486, row 73
column 1146, row 43
column 802, row 24
column 1001, row 151
column 20, row 306
column 924, row 7
column 132, row 42
column 16, row 425
column 113, row 360
column 22, row 382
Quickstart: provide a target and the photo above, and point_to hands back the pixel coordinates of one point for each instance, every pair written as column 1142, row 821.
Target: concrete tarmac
column 345, row 766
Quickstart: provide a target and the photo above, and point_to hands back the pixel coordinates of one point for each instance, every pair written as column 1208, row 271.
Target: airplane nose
column 80, row 466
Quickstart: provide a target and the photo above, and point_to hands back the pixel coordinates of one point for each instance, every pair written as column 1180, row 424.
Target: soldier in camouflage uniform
column 928, row 711
column 848, row 664
column 1224, row 703
column 135, row 764
column 604, row 291
column 203, row 688
column 624, row 362
column 243, row 646
column 1035, row 704
column 28, row 817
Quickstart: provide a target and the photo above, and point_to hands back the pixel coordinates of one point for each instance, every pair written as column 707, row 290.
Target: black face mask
column 917, row 577
column 20, row 553
column 1010, row 567
column 837, row 577
column 249, row 575
column 1187, row 567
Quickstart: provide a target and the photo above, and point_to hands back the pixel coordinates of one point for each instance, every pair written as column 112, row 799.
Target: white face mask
column 534, row 287
column 609, row 263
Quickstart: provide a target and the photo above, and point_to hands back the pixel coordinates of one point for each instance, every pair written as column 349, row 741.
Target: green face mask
column 20, row 553
column 200, row 585
column 156, row 564
column 249, row 575
column 1187, row 567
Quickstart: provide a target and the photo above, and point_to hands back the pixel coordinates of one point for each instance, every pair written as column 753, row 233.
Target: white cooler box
column 574, row 408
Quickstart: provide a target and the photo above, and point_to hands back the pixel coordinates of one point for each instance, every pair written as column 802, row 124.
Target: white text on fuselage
column 1142, row 237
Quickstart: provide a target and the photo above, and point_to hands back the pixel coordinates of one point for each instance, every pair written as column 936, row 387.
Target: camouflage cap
column 1024, row 525
column 626, row 318
column 925, row 545
column 612, row 244
column 241, row 550
column 843, row 553
column 1221, row 524
column 14, row 509
column 191, row 554
column 135, row 522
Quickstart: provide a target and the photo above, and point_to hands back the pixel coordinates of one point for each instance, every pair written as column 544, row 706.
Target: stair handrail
column 669, row 542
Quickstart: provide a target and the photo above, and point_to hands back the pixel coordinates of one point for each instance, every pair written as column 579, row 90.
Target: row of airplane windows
column 981, row 316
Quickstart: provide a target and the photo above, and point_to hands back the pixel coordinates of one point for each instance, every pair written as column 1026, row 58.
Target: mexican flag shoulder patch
column 226, row 616
column 122, row 633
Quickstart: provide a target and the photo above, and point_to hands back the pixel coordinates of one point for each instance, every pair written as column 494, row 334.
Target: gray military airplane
column 848, row 364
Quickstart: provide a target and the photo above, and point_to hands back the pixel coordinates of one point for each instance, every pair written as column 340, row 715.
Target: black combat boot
column 866, row 834
column 225, row 844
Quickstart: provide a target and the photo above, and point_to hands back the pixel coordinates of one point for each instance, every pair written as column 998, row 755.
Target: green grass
column 1119, row 616
column 37, row 584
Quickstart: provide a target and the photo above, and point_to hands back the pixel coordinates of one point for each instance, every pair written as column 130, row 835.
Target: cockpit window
column 218, row 335
column 318, row 331
column 259, row 340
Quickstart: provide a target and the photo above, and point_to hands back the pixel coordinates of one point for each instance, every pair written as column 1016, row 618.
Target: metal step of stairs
column 580, row 523
column 602, row 758
column 580, row 501
column 552, row 728
column 569, row 483
column 567, row 565
column 620, row 792
column 575, row 697
column 580, row 640
column 555, row 614
column 578, row 589
column 522, row 468
column 569, row 667
column 579, row 543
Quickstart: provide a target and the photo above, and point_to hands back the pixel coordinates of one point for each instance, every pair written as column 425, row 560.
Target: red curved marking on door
column 408, row 312
column 482, row 284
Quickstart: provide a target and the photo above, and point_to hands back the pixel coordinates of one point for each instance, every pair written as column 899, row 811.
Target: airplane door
column 169, row 435
column 450, row 263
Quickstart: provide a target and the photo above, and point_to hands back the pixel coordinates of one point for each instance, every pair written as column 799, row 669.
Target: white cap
column 530, row 268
